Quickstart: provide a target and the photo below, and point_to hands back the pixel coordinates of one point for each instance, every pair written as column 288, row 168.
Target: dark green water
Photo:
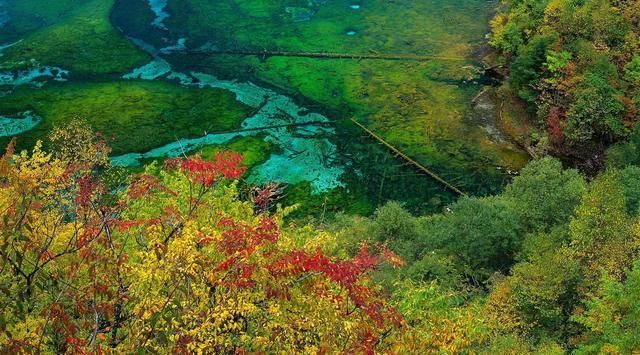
column 425, row 108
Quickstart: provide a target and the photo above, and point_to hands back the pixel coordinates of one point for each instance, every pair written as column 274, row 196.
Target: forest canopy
column 577, row 63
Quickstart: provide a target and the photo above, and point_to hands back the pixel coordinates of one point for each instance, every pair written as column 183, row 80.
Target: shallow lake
column 278, row 80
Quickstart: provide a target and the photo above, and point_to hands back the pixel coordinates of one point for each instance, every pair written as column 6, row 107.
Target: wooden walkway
column 408, row 159
column 264, row 54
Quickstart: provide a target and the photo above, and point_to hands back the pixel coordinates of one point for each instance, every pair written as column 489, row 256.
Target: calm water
column 425, row 108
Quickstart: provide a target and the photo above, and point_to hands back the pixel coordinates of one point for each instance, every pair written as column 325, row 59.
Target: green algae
column 423, row 108
column 79, row 38
column 27, row 16
column 133, row 115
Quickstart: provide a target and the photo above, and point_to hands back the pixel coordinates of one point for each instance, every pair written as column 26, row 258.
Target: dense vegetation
column 578, row 64
column 170, row 259
column 551, row 259
column 180, row 258
column 187, row 256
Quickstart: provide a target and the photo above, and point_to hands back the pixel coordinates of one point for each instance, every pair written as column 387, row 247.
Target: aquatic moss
column 27, row 16
column 443, row 27
column 84, row 42
column 318, row 205
column 134, row 115
column 422, row 108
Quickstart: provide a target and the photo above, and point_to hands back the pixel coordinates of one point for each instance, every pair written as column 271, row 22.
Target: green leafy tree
column 394, row 225
column 526, row 67
column 545, row 194
column 483, row 234
column 632, row 70
column 629, row 180
column 537, row 300
column 613, row 317
column 596, row 111
column 625, row 153
column 556, row 61
column 601, row 234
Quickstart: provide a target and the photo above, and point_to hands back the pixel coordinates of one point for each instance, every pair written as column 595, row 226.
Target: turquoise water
column 304, row 148
column 426, row 108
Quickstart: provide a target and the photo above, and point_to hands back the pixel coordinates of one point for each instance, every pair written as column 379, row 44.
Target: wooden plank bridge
column 373, row 55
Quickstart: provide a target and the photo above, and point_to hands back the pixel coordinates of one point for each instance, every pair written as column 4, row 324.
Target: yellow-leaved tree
column 170, row 260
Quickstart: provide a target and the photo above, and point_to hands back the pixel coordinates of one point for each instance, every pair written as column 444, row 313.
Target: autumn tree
column 175, row 262
column 575, row 63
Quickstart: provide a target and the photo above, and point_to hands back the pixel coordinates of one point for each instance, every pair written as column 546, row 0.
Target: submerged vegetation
column 75, row 35
column 186, row 177
column 155, row 113
column 405, row 102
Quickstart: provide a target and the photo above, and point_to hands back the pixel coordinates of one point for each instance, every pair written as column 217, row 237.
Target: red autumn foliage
column 86, row 188
column 346, row 273
column 555, row 124
column 238, row 237
column 225, row 165
column 145, row 184
column 228, row 164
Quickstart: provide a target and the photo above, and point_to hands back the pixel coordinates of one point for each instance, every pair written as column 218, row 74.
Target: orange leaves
column 392, row 258
column 5, row 166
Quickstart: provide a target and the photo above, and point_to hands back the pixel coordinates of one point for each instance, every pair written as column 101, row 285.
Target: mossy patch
column 134, row 115
column 82, row 41
column 422, row 108
column 27, row 16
